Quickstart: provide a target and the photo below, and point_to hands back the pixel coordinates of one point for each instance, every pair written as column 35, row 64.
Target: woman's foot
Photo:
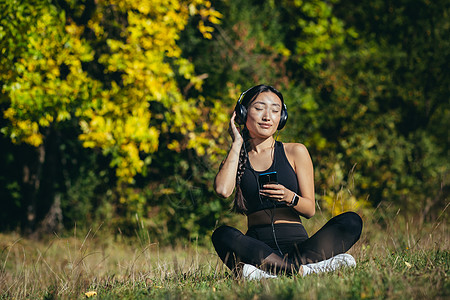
column 331, row 264
column 251, row 272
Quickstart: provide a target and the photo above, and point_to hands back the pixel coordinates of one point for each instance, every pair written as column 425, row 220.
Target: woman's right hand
column 234, row 131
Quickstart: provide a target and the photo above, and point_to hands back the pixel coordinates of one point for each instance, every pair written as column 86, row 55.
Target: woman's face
column 263, row 115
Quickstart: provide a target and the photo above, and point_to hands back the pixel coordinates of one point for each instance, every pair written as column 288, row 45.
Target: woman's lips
column 265, row 126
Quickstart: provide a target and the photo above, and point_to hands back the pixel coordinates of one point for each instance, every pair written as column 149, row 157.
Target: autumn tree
column 103, row 66
column 118, row 110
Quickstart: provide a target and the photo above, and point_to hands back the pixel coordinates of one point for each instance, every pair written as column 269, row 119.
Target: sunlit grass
column 397, row 259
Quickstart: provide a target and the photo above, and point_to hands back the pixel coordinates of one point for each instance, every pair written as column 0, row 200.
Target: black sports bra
column 250, row 185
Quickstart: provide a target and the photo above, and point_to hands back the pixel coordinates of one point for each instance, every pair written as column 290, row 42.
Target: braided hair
column 239, row 204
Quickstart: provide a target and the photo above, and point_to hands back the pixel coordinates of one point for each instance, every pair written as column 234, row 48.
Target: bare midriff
column 280, row 215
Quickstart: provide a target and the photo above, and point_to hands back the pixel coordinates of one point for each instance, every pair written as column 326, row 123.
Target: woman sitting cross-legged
column 274, row 184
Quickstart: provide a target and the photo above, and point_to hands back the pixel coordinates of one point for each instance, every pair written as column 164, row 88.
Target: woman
column 276, row 241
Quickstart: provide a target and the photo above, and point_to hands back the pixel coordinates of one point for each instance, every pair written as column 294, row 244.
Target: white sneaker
column 331, row 264
column 251, row 272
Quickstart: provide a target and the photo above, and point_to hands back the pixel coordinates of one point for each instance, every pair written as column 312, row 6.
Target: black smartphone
column 269, row 177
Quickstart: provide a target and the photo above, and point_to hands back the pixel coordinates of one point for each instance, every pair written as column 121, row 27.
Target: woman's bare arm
column 225, row 180
column 305, row 174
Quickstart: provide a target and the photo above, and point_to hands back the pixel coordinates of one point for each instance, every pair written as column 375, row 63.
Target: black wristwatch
column 294, row 201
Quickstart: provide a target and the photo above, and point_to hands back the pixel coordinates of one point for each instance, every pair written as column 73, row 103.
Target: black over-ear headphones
column 241, row 112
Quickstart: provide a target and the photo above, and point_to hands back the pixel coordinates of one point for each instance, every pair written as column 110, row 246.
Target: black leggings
column 291, row 248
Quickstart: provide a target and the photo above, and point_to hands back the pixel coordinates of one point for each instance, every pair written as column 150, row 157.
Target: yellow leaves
column 210, row 15
column 192, row 9
column 118, row 119
column 45, row 120
column 342, row 201
column 74, row 30
column 122, row 128
column 205, row 30
column 28, row 132
column 130, row 164
column 214, row 17
column 158, row 31
column 144, row 7
column 96, row 27
column 174, row 146
column 38, row 96
column 114, row 45
column 90, row 294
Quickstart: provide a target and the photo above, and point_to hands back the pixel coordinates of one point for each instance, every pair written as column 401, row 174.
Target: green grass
column 397, row 260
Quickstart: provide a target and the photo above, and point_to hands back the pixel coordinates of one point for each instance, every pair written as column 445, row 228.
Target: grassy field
column 396, row 259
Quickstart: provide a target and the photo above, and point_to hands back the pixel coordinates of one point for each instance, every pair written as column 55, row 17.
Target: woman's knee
column 223, row 234
column 353, row 222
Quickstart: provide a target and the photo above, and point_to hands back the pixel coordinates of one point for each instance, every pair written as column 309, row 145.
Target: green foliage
column 120, row 109
column 99, row 66
column 383, row 119
column 52, row 82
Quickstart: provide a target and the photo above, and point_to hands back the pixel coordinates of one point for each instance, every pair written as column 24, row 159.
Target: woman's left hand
column 277, row 192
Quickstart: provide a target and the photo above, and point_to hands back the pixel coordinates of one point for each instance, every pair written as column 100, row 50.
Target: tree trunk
column 53, row 220
column 33, row 181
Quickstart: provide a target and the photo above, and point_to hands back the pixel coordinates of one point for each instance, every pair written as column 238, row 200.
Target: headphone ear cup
column 241, row 114
column 283, row 118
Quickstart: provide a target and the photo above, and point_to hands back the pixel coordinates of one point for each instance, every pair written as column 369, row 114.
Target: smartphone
column 269, row 177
